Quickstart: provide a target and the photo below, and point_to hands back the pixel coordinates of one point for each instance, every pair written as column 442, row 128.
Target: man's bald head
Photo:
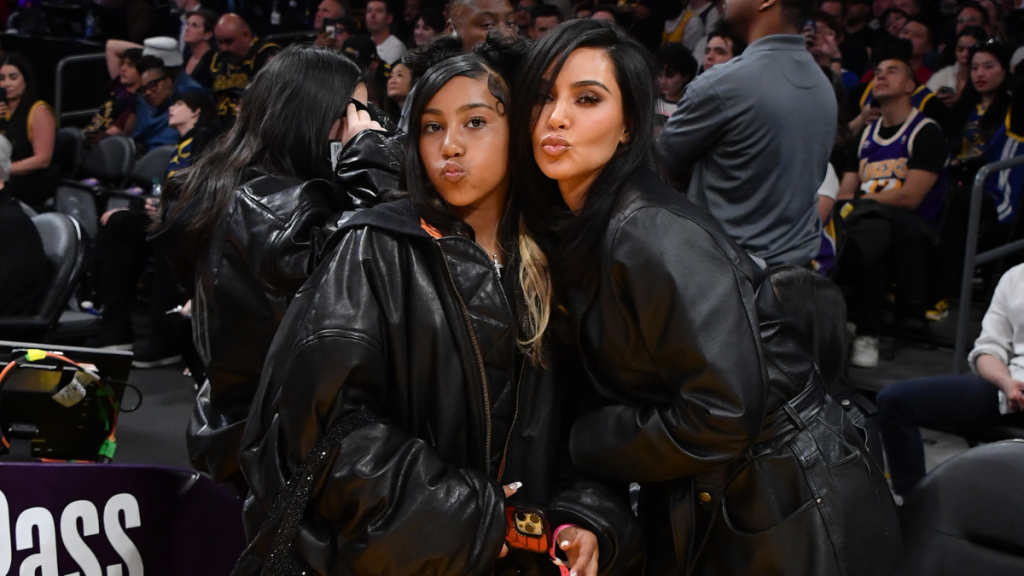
column 234, row 37
column 471, row 20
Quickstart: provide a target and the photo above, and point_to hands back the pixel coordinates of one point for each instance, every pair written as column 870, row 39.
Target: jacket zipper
column 479, row 358
column 515, row 418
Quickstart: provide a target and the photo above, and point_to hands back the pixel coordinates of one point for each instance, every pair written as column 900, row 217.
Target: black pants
column 121, row 258
column 881, row 251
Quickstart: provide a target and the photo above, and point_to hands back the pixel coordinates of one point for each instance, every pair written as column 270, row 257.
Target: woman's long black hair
column 817, row 304
column 996, row 113
column 281, row 130
column 573, row 243
column 17, row 126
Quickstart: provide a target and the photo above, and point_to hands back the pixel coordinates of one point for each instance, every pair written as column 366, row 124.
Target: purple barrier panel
column 115, row 520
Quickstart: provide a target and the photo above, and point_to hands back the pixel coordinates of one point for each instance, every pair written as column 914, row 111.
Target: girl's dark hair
column 574, row 242
column 819, row 308
column 496, row 59
column 996, row 113
column 17, row 126
column 202, row 102
column 422, row 58
column 282, row 130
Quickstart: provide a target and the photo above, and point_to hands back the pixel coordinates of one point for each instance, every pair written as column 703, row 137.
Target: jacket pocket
column 865, row 526
column 796, row 545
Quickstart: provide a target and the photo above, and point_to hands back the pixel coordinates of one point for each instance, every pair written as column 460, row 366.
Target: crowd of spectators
column 872, row 189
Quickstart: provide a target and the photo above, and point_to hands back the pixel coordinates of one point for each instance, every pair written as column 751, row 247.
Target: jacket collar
column 794, row 42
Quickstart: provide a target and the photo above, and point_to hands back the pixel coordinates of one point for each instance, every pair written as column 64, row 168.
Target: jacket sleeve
column 692, row 128
column 389, row 505
column 996, row 337
column 368, row 166
column 694, row 314
column 294, row 250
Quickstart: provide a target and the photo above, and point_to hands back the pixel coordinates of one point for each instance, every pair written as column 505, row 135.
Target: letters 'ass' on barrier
column 116, row 520
column 972, row 259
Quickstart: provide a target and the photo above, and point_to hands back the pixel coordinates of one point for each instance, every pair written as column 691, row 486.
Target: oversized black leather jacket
column 420, row 332
column 746, row 467
column 243, row 277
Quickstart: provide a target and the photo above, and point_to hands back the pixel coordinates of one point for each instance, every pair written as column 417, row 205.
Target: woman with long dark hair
column 949, row 82
column 243, row 226
column 717, row 409
column 31, row 127
column 421, row 347
column 983, row 128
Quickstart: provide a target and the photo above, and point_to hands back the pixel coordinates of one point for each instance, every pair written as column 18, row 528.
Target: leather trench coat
column 745, row 465
column 420, row 332
column 242, row 279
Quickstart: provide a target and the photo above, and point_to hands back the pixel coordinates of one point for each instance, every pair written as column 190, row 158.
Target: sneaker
column 939, row 311
column 150, row 356
column 865, row 352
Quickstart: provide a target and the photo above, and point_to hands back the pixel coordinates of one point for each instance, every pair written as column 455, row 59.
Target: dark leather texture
column 242, row 279
column 421, row 332
column 687, row 338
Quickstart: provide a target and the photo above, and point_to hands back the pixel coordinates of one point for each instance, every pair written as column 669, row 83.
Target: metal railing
column 972, row 259
column 58, row 97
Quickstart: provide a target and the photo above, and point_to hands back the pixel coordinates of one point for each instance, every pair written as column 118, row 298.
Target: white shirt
column 391, row 50
column 944, row 78
column 1002, row 329
column 830, row 185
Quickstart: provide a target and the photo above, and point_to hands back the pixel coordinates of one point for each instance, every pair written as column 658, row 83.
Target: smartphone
column 527, row 528
column 811, row 27
column 3, row 96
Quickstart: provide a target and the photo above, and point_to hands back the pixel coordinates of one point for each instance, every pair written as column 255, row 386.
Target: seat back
column 63, row 246
column 69, row 150
column 152, row 165
column 967, row 516
column 110, row 160
column 79, row 203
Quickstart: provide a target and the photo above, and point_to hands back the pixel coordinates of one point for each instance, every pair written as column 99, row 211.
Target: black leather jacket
column 243, row 277
column 685, row 335
column 420, row 332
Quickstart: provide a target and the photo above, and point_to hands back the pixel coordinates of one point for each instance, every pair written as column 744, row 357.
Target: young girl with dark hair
column 244, row 222
column 717, row 410
column 423, row 339
column 32, row 129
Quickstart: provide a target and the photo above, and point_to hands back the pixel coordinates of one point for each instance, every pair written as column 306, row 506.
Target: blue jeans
column 960, row 403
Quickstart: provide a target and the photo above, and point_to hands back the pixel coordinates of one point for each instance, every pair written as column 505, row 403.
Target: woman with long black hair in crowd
column 717, row 409
column 31, row 127
column 420, row 346
column 243, row 223
column 986, row 125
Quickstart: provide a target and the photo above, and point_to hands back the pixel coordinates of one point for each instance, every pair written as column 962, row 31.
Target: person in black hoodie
column 242, row 226
column 422, row 336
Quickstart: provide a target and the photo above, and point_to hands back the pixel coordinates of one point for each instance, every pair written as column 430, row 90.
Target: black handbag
column 270, row 553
